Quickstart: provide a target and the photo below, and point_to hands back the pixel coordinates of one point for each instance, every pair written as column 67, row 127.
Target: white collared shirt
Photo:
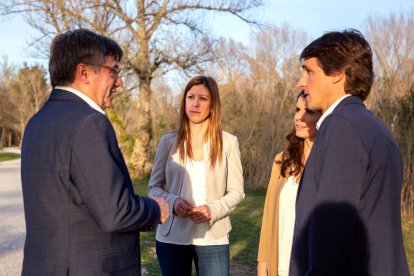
column 194, row 190
column 287, row 214
column 83, row 96
column 329, row 110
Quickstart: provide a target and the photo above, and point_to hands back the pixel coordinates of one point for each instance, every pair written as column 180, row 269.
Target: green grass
column 244, row 237
column 148, row 255
column 5, row 156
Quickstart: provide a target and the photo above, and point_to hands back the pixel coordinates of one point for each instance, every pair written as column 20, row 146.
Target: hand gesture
column 182, row 207
column 164, row 210
column 200, row 214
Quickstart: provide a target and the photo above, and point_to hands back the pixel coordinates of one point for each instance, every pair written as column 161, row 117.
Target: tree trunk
column 141, row 164
column 140, row 154
column 20, row 135
column 2, row 138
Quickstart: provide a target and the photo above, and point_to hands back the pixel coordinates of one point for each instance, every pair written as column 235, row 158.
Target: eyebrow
column 305, row 67
column 201, row 95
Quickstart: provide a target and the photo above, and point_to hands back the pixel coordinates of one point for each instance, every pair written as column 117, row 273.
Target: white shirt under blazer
column 224, row 182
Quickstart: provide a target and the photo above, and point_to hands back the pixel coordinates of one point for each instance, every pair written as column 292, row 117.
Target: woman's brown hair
column 291, row 163
column 213, row 134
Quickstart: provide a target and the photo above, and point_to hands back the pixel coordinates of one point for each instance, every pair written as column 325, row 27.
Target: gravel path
column 12, row 225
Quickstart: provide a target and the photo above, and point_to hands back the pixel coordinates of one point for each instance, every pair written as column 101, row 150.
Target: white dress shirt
column 83, row 96
column 287, row 214
column 195, row 191
column 329, row 110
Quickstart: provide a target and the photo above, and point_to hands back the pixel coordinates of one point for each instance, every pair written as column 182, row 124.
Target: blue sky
column 314, row 17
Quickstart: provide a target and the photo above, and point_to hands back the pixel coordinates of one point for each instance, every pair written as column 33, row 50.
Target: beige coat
column 269, row 234
column 224, row 182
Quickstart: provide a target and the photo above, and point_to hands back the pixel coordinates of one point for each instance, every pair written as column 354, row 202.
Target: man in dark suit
column 348, row 218
column 82, row 216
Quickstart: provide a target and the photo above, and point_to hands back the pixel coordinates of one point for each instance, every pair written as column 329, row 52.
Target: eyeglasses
column 115, row 71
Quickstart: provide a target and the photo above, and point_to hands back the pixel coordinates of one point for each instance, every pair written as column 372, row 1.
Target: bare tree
column 9, row 132
column 392, row 97
column 405, row 132
column 156, row 36
column 392, row 40
column 258, row 96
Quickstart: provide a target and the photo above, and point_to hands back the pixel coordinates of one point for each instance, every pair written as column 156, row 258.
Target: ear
column 338, row 77
column 82, row 73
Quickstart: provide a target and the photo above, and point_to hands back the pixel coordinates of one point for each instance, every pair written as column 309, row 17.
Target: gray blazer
column 82, row 216
column 348, row 218
column 224, row 182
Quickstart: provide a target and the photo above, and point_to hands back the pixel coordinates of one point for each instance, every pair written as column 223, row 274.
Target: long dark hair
column 291, row 163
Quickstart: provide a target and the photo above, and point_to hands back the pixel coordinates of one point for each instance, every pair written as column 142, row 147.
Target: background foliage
column 257, row 81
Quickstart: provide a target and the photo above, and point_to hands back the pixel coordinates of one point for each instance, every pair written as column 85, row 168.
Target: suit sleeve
column 100, row 176
column 157, row 180
column 234, row 187
column 341, row 161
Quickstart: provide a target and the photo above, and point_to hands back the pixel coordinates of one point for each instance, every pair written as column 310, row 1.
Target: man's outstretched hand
column 164, row 210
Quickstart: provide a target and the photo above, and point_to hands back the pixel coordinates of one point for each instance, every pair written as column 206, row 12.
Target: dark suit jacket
column 82, row 216
column 348, row 218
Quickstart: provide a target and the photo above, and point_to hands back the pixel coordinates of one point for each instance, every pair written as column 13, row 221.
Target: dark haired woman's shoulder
column 278, row 157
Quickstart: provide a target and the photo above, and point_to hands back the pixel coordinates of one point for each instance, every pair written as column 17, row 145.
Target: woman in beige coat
column 279, row 211
column 198, row 171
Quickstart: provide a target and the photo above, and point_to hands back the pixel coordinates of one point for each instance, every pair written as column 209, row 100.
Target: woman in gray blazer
column 198, row 171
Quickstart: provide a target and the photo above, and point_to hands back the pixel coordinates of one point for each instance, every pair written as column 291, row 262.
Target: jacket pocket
column 122, row 261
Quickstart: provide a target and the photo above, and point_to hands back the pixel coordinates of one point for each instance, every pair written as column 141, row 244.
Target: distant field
column 244, row 237
column 4, row 156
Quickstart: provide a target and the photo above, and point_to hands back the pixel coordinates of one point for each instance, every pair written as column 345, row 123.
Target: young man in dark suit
column 348, row 218
column 82, row 216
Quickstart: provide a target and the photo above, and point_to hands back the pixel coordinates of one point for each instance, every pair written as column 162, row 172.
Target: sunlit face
column 105, row 83
column 305, row 120
column 317, row 85
column 197, row 104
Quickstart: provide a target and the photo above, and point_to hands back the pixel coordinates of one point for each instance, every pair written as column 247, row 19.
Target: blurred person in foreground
column 348, row 211
column 279, row 210
column 198, row 171
column 82, row 215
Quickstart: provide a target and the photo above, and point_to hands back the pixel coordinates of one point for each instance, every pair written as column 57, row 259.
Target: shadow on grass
column 244, row 237
column 148, row 256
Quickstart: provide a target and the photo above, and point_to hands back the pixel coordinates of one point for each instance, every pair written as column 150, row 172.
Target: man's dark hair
column 78, row 46
column 345, row 51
